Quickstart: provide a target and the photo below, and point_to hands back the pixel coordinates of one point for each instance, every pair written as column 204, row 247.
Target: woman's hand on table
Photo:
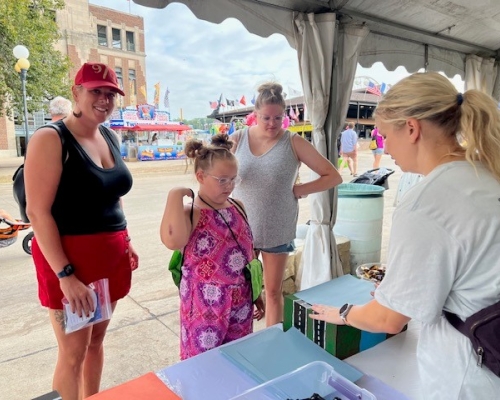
column 327, row 314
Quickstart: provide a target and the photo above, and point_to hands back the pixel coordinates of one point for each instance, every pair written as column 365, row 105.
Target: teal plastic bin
column 360, row 215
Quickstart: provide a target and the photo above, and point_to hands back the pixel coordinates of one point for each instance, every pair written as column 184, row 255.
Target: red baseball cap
column 94, row 75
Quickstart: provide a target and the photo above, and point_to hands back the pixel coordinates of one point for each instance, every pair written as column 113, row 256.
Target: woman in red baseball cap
column 75, row 178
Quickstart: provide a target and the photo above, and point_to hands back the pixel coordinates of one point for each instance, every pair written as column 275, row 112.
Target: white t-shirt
column 406, row 182
column 444, row 253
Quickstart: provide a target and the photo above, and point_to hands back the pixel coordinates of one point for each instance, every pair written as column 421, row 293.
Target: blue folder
column 338, row 291
column 272, row 353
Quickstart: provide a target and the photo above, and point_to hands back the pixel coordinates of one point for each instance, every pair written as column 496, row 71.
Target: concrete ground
column 144, row 332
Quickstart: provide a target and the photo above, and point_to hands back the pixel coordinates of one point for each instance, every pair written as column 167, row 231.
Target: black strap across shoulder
column 230, row 230
column 19, row 191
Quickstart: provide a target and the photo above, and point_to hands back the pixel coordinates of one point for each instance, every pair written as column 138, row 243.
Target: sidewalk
column 144, row 333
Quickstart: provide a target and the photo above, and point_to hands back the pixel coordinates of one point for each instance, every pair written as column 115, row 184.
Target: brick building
column 96, row 34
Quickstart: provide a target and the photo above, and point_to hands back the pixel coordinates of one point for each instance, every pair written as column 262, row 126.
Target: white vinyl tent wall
column 332, row 36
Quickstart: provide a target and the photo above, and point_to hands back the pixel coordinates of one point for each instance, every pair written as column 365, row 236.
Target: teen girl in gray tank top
column 267, row 191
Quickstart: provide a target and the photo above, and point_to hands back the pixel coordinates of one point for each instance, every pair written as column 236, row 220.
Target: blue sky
column 199, row 60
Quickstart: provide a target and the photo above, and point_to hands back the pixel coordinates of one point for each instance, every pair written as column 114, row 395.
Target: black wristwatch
column 66, row 271
column 344, row 310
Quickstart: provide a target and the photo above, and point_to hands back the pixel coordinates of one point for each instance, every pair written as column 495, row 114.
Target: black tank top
column 88, row 196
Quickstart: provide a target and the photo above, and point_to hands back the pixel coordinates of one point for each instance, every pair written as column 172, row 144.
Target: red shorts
column 96, row 256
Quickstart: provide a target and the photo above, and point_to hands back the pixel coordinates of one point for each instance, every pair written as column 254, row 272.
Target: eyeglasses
column 227, row 181
column 267, row 119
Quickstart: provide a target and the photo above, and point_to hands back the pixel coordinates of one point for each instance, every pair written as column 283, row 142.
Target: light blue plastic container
column 315, row 377
column 360, row 215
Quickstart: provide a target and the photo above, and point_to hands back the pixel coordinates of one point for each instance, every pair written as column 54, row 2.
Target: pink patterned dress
column 216, row 299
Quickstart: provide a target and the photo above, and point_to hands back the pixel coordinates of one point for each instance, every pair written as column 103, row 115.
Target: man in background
column 59, row 107
column 349, row 148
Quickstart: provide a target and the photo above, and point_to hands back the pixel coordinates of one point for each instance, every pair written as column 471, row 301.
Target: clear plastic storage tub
column 316, row 377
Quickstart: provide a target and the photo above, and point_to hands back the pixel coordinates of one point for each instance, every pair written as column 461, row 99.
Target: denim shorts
column 283, row 248
column 378, row 151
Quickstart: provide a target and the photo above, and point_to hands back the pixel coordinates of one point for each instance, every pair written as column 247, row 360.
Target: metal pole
column 26, row 130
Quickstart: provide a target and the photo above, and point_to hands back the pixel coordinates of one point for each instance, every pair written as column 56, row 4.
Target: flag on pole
column 374, row 89
column 230, row 103
column 142, row 89
column 133, row 100
column 253, row 100
column 292, row 113
column 166, row 101
column 384, row 88
column 243, row 100
column 213, row 104
column 156, row 100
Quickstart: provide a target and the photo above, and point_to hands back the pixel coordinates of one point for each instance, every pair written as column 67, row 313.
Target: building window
column 119, row 76
column 102, row 36
column 130, row 41
column 132, row 82
column 117, row 39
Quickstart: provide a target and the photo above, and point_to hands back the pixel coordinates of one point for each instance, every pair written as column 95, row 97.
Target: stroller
column 9, row 228
column 377, row 176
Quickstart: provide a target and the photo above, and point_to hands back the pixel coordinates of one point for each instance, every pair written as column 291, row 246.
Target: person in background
column 216, row 298
column 59, row 107
column 379, row 151
column 269, row 158
column 74, row 205
column 349, row 148
column 437, row 261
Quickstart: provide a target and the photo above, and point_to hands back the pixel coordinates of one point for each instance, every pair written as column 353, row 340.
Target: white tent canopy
column 432, row 34
column 331, row 36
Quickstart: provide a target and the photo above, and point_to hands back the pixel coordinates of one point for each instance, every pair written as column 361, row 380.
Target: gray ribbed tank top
column 266, row 190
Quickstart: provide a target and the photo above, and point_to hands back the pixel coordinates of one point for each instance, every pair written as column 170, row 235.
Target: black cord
column 230, row 230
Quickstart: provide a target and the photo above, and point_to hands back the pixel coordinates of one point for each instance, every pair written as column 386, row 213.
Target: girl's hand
column 184, row 191
column 259, row 309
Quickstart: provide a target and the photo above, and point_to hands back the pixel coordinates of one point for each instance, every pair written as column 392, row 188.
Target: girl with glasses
column 269, row 158
column 216, row 297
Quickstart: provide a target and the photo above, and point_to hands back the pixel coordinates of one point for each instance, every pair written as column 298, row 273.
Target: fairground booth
column 147, row 134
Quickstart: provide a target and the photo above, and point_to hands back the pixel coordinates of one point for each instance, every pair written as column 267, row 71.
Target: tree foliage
column 31, row 23
column 198, row 123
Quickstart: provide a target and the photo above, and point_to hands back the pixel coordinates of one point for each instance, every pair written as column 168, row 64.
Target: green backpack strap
column 177, row 259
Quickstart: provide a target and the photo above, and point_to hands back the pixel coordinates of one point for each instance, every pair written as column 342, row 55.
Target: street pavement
column 144, row 332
